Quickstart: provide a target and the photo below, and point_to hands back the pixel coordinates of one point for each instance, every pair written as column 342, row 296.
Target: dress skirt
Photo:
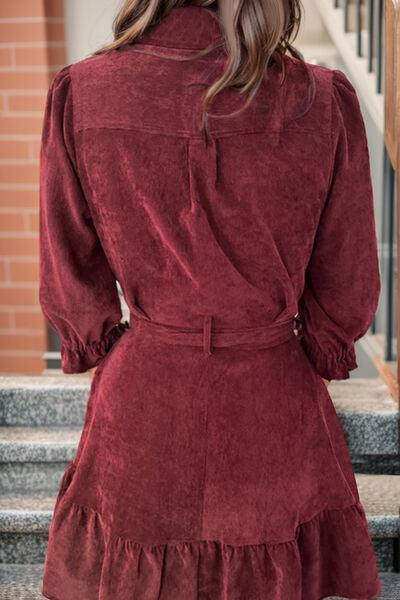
column 211, row 466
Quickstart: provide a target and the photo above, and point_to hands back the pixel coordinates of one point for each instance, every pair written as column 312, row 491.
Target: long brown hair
column 253, row 33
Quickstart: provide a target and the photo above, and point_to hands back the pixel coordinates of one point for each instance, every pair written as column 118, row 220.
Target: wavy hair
column 254, row 32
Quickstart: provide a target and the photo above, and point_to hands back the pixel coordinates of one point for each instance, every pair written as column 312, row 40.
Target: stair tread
column 351, row 394
column 13, row 503
column 39, row 435
column 380, row 494
column 22, row 581
column 38, row 444
column 362, row 395
column 356, row 393
column 43, row 382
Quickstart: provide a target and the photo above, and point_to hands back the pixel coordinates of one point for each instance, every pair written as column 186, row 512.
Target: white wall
column 88, row 26
column 312, row 31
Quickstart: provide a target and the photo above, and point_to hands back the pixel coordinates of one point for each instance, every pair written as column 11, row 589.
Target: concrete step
column 380, row 495
column 34, row 458
column 370, row 419
column 25, row 520
column 43, row 401
column 368, row 413
column 22, row 582
column 24, row 527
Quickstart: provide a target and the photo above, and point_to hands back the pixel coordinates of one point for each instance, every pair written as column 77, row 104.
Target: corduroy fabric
column 212, row 464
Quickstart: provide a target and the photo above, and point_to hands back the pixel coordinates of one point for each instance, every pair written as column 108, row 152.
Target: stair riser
column 367, row 433
column 45, row 475
column 386, row 554
column 378, row 465
column 42, row 408
column 30, row 547
column 23, row 547
column 371, row 433
column 31, row 477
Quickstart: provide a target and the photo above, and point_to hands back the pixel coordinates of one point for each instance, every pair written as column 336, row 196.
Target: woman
column 225, row 184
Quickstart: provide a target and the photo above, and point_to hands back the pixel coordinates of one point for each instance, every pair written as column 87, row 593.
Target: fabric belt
column 206, row 337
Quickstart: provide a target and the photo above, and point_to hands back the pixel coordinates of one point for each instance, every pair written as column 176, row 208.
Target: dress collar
column 186, row 27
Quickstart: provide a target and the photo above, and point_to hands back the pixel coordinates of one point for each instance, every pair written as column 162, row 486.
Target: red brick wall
column 32, row 48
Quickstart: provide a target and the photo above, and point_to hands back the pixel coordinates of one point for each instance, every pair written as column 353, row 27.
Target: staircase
column 40, row 424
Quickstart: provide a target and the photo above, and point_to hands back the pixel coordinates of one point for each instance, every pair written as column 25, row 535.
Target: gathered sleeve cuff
column 77, row 357
column 334, row 363
column 342, row 279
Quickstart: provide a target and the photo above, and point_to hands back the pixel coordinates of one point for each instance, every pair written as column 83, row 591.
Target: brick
column 14, row 125
column 19, row 247
column 23, row 365
column 40, row 56
column 28, row 320
column 21, row 341
column 57, row 55
column 14, row 149
column 6, row 57
column 12, row 222
column 27, row 102
column 21, row 8
column 34, row 148
column 33, row 56
column 55, row 32
column 24, row 80
column 22, row 32
column 24, row 271
column 19, row 198
column 32, row 221
column 19, row 173
column 54, row 8
column 3, row 270
column 18, row 296
column 5, row 319
column 33, row 341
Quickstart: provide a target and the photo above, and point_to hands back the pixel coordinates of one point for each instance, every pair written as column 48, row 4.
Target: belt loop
column 207, row 334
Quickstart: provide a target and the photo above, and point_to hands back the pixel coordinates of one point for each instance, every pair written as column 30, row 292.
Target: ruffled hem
column 79, row 358
column 331, row 555
column 330, row 365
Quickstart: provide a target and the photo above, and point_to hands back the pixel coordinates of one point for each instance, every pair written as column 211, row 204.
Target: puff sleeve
column 342, row 278
column 78, row 291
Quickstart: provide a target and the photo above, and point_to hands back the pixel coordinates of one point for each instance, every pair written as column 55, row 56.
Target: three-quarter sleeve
column 342, row 279
column 78, row 291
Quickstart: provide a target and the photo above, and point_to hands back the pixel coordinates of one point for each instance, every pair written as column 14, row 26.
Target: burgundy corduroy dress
column 212, row 464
